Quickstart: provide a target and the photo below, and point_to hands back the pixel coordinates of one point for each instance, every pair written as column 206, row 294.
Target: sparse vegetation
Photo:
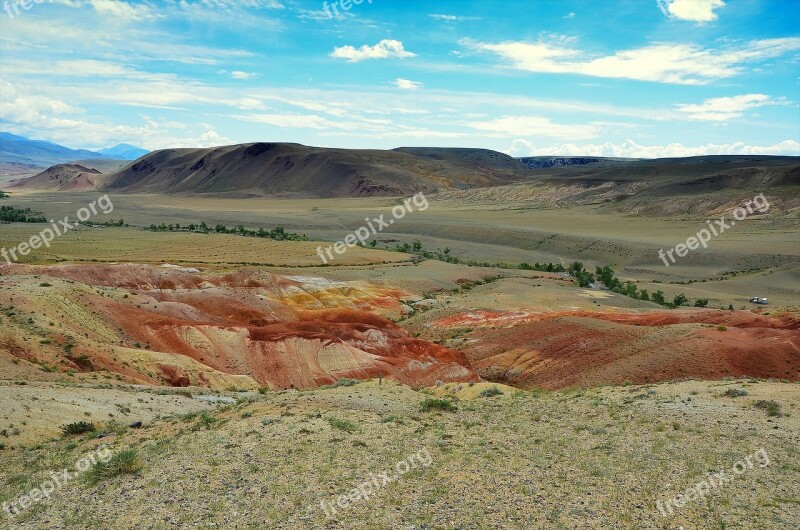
column 80, row 427
column 122, row 463
column 344, row 382
column 342, row 425
column 430, row 404
column 735, row 392
column 773, row 408
column 491, row 391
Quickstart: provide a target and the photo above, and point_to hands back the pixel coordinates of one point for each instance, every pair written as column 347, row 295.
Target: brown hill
column 62, row 177
column 296, row 170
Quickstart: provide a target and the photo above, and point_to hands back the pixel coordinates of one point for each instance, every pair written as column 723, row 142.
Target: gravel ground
column 583, row 459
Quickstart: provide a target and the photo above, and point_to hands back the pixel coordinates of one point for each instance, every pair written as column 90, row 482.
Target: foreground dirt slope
column 598, row 458
column 179, row 327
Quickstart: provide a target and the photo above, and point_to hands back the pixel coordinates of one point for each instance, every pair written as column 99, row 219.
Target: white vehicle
column 757, row 300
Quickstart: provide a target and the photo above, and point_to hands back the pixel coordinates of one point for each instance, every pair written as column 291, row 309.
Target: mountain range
column 294, row 170
column 16, row 149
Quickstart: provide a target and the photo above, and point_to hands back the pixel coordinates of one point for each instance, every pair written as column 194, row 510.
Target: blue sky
column 639, row 78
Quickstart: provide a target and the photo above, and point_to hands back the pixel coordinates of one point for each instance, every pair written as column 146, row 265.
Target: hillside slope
column 62, row 177
column 291, row 169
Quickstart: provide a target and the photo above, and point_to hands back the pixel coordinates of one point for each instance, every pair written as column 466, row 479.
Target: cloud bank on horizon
column 628, row 79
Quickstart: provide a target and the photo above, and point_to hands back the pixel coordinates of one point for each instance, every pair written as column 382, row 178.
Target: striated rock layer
column 180, row 327
column 560, row 349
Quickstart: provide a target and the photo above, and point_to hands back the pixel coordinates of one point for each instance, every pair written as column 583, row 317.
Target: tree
column 702, row 302
column 373, row 243
column 679, row 300
column 643, row 295
column 416, row 245
column 658, row 297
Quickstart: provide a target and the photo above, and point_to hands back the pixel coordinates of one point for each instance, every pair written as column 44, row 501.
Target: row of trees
column 576, row 269
column 278, row 234
column 3, row 195
column 607, row 277
column 111, row 223
column 12, row 214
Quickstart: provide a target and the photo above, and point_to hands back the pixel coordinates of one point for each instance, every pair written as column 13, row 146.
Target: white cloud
column 662, row 62
column 726, row 108
column 383, row 50
column 630, row 149
column 534, row 126
column 693, row 10
column 406, row 84
column 249, row 104
column 296, row 121
column 115, row 9
column 452, row 18
column 238, row 74
column 570, row 15
column 29, row 115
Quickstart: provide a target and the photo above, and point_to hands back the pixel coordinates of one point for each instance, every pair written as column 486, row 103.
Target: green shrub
column 342, row 382
column 735, row 392
column 773, row 408
column 79, row 427
column 206, row 420
column 491, row 391
column 123, row 463
column 344, row 425
column 430, row 404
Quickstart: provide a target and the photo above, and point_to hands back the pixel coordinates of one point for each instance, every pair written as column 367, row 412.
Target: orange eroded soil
column 168, row 325
column 560, row 349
